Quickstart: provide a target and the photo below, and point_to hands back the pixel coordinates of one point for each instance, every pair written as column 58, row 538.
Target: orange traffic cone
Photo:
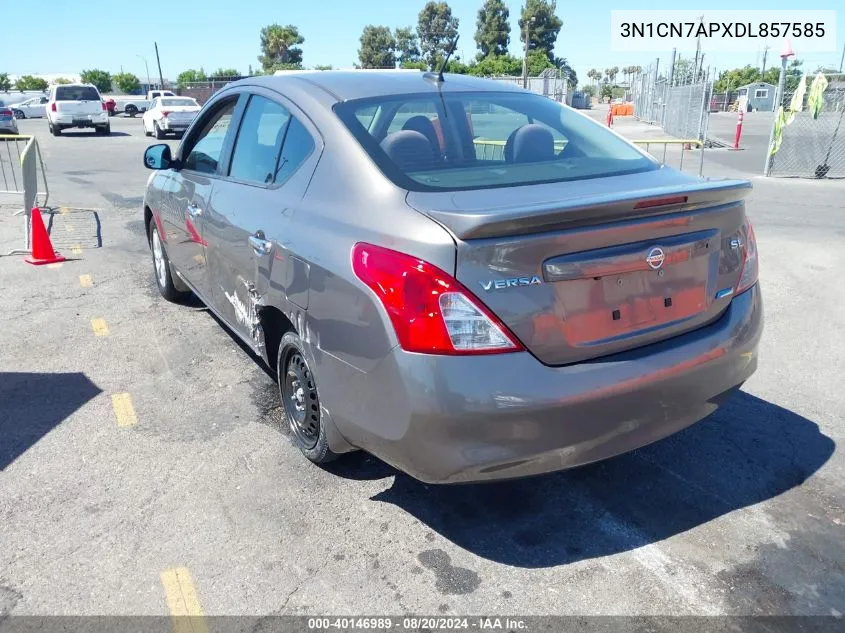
column 42, row 248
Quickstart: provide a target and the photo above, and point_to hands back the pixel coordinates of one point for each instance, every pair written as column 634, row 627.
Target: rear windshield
column 77, row 93
column 467, row 140
column 172, row 103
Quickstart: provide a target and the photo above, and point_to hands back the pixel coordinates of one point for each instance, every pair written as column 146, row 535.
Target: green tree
column 418, row 64
column 407, row 45
column 323, row 67
column 280, row 47
column 127, row 83
column 225, row 73
column 589, row 89
column 612, row 73
column 496, row 65
column 99, row 78
column 378, row 47
column 606, row 90
column 28, row 82
column 542, row 25
column 191, row 76
column 436, row 28
column 5, row 84
column 60, row 81
column 537, row 63
column 492, row 30
column 567, row 71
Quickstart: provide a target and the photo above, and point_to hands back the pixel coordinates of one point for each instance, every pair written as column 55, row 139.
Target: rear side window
column 297, row 147
column 77, row 93
column 259, row 141
column 271, row 144
column 465, row 140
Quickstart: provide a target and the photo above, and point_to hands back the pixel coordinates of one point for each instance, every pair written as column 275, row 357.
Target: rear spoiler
column 590, row 210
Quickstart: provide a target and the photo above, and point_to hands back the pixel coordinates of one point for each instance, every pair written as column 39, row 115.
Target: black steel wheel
column 301, row 401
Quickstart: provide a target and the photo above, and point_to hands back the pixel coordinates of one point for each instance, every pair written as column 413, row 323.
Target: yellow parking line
column 199, row 259
column 185, row 609
column 85, row 281
column 123, row 409
column 64, row 210
column 76, row 249
column 100, row 327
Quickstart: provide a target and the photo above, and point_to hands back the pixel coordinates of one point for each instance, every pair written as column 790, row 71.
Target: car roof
column 349, row 84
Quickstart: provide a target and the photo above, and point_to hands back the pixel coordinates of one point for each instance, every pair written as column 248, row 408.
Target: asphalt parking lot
column 141, row 453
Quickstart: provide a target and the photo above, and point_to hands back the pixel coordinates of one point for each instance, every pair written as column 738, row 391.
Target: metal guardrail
column 495, row 150
column 683, row 142
column 20, row 160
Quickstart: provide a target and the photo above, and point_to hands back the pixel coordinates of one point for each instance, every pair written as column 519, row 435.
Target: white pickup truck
column 132, row 106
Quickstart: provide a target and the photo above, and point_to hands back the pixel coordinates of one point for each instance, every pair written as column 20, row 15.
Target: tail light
column 53, row 107
column 103, row 103
column 164, row 113
column 431, row 312
column 750, row 261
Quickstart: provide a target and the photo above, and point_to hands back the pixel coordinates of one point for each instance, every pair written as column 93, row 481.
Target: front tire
column 131, row 111
column 161, row 268
column 104, row 130
column 301, row 402
column 19, row 114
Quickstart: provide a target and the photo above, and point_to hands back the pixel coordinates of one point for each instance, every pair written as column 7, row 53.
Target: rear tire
column 55, row 130
column 162, row 268
column 159, row 133
column 301, row 402
column 19, row 114
column 146, row 132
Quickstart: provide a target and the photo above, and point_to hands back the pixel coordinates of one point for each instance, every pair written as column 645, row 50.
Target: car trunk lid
column 584, row 269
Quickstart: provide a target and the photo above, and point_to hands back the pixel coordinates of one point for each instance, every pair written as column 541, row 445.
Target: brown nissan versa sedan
column 465, row 279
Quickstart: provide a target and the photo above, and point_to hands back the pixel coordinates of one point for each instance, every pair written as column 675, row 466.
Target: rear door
column 79, row 101
column 250, row 214
column 185, row 208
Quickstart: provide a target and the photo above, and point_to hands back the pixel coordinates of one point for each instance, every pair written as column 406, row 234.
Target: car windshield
column 77, row 93
column 171, row 103
column 472, row 140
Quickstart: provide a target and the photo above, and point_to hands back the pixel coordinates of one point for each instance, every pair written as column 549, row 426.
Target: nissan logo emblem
column 655, row 257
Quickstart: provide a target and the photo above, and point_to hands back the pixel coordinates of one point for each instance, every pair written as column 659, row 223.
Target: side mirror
column 158, row 157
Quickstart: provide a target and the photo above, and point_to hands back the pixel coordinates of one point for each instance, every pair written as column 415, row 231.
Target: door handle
column 260, row 245
column 194, row 210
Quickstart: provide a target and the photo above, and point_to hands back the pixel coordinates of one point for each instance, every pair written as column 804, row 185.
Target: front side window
column 204, row 156
column 464, row 140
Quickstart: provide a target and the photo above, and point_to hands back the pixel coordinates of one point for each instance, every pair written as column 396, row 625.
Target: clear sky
column 66, row 36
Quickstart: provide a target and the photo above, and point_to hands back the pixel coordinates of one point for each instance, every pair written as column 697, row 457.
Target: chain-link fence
column 811, row 147
column 681, row 108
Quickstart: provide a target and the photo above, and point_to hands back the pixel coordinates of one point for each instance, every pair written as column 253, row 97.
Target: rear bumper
column 80, row 120
column 173, row 126
column 460, row 419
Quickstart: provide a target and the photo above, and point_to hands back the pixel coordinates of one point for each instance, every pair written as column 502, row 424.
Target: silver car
column 467, row 280
column 8, row 124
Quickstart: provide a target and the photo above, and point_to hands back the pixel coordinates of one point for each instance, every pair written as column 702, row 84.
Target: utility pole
column 158, row 61
column 148, row 70
column 765, row 54
column 672, row 68
column 842, row 59
column 525, row 54
column 697, row 50
column 784, row 58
